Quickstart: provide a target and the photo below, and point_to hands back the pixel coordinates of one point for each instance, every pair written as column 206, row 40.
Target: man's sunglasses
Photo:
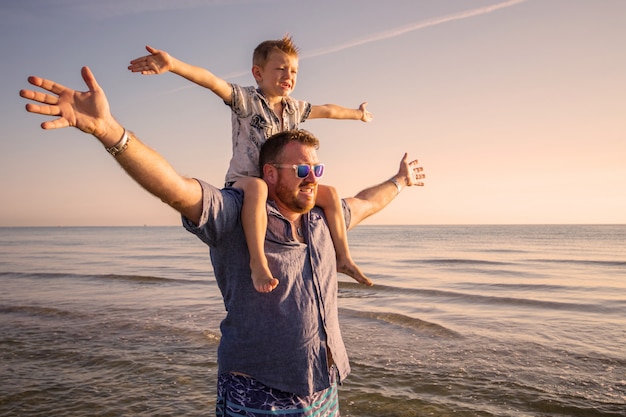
column 302, row 170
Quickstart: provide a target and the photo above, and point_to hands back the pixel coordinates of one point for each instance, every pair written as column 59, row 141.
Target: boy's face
column 278, row 76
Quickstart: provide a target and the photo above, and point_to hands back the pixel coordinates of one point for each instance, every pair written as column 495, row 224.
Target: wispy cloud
column 387, row 35
column 411, row 28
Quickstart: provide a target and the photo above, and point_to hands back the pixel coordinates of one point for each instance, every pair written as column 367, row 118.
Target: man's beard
column 290, row 199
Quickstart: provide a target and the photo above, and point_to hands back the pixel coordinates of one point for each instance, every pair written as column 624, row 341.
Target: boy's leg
column 254, row 222
column 328, row 200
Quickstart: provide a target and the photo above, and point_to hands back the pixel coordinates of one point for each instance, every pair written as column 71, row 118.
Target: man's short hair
column 272, row 149
column 263, row 51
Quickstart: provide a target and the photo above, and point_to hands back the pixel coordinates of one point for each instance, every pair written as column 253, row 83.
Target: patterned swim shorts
column 239, row 395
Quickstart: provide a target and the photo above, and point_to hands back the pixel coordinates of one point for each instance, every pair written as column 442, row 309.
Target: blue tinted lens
column 302, row 171
column 318, row 170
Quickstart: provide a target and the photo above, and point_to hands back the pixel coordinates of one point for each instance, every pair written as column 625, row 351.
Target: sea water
column 525, row 320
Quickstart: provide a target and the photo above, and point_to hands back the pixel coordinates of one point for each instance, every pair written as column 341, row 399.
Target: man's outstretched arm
column 373, row 199
column 89, row 111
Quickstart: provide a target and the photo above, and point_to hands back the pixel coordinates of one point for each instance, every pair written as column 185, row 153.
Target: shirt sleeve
column 221, row 213
column 347, row 214
column 240, row 103
column 306, row 112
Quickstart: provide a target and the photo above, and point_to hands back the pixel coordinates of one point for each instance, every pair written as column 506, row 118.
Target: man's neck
column 297, row 229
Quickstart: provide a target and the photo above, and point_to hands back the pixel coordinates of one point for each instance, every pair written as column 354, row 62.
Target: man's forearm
column 150, row 170
column 89, row 112
column 370, row 201
column 373, row 199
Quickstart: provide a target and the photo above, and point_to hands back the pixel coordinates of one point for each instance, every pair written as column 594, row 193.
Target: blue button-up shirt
column 280, row 338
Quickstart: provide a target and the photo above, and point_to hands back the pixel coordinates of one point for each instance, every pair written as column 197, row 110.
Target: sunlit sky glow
column 516, row 109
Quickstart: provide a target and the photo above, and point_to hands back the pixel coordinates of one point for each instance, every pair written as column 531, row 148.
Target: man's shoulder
column 221, row 212
column 216, row 198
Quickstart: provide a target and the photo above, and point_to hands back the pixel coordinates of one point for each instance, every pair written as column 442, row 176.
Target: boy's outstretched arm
column 333, row 111
column 160, row 61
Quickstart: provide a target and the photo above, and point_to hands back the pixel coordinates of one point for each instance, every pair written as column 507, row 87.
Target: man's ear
column 270, row 174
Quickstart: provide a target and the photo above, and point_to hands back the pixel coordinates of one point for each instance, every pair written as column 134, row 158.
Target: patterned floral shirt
column 253, row 121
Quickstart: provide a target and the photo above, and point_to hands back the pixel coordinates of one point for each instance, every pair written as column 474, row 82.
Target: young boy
column 258, row 113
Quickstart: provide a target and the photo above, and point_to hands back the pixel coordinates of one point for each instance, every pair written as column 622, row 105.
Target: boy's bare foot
column 262, row 277
column 264, row 284
column 349, row 268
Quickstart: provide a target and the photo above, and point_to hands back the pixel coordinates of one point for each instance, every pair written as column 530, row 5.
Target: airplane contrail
column 389, row 34
column 412, row 27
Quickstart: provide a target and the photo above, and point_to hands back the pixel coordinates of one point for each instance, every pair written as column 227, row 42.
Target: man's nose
column 311, row 176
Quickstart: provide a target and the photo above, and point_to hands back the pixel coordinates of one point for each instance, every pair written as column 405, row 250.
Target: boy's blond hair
column 263, row 51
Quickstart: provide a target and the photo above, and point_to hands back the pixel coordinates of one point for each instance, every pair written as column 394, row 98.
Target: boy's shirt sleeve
column 241, row 104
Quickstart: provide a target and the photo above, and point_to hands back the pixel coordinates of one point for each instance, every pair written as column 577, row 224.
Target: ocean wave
column 588, row 262
column 103, row 277
column 354, row 290
column 114, row 323
column 475, row 266
column 43, row 312
column 482, row 262
column 466, row 261
column 535, row 304
column 455, row 261
column 423, row 327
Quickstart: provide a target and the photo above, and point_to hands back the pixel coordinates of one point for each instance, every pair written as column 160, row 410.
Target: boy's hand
column 367, row 116
column 157, row 62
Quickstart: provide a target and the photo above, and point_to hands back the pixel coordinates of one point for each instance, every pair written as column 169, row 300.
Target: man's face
column 291, row 193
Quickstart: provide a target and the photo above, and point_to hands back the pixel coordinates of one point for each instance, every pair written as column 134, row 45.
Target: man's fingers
column 39, row 96
column 89, row 79
column 55, row 124
column 48, row 85
column 45, row 110
column 48, row 111
column 27, row 94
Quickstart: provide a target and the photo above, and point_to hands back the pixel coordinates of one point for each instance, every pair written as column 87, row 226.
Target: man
column 281, row 353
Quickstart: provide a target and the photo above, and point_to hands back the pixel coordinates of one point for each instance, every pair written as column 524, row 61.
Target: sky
column 515, row 109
